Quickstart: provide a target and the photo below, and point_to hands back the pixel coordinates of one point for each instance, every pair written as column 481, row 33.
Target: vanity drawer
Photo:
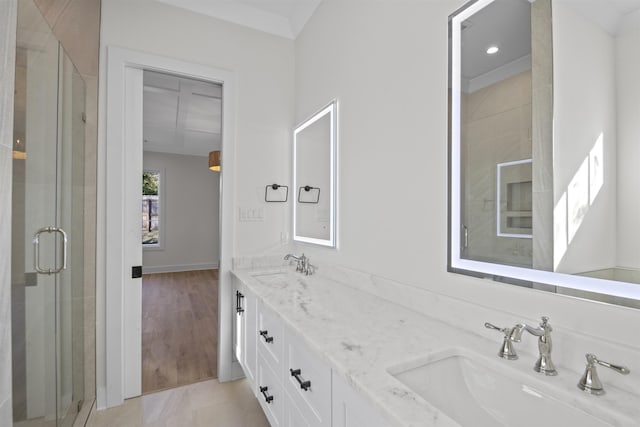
column 292, row 415
column 270, row 393
column 350, row 409
column 270, row 337
column 307, row 379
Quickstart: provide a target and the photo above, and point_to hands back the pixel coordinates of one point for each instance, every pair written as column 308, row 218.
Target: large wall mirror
column 544, row 136
column 314, row 178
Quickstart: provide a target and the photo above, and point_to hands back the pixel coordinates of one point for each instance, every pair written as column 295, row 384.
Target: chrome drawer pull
column 305, row 385
column 267, row 397
column 266, row 337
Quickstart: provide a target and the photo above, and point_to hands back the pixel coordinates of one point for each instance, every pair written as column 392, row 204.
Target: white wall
column 386, row 63
column 628, row 108
column 8, row 10
column 264, row 116
column 261, row 68
column 189, row 217
column 584, row 109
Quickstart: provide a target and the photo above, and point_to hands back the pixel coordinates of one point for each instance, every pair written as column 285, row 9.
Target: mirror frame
column 528, row 277
column 330, row 109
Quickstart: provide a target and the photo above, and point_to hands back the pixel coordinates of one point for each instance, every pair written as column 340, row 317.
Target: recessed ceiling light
column 491, row 50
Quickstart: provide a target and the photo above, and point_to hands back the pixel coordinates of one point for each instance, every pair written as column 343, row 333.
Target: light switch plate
column 253, row 214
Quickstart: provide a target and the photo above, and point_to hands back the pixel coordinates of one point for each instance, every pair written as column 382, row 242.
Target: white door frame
column 117, row 348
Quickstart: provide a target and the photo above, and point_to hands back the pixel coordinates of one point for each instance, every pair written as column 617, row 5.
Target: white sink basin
column 271, row 277
column 476, row 391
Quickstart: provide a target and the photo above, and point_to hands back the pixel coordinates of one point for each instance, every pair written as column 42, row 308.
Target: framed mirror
column 314, row 178
column 542, row 145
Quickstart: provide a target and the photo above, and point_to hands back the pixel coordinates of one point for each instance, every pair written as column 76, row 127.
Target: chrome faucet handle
column 507, row 351
column 590, row 382
column 310, row 269
column 287, row 256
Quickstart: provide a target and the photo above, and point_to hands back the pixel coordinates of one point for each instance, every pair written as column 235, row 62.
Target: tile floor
column 208, row 403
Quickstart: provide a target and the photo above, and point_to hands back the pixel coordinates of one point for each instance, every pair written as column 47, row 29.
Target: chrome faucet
column 299, row 260
column 590, row 381
column 302, row 264
column 506, row 350
column 544, row 364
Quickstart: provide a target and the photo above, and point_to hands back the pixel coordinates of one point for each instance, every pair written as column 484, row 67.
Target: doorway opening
column 182, row 125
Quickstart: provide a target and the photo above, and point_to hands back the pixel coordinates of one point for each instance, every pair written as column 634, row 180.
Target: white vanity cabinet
column 297, row 377
column 307, row 379
column 294, row 385
column 349, row 409
column 269, row 333
column 276, row 403
column 245, row 326
column 270, row 393
column 270, row 337
column 238, row 324
column 292, row 415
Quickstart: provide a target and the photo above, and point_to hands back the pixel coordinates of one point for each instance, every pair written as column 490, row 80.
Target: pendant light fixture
column 214, row 161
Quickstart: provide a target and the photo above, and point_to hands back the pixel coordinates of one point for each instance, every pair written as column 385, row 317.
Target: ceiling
column 284, row 18
column 614, row 16
column 181, row 115
column 504, row 23
column 507, row 24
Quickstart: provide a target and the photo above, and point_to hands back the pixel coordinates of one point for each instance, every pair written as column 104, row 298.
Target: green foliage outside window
column 150, row 183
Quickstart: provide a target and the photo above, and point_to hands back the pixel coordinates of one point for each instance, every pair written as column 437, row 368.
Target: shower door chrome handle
column 36, row 250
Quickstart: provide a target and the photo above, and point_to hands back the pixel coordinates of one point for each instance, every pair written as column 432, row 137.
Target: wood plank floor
column 179, row 328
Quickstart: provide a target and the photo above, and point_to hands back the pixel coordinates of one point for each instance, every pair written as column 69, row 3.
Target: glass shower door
column 47, row 228
column 70, row 217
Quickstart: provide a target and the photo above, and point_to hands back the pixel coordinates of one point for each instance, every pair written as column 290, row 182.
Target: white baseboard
column 236, row 372
column 178, row 268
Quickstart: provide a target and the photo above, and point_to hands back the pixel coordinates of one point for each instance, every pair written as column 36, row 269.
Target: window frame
column 161, row 211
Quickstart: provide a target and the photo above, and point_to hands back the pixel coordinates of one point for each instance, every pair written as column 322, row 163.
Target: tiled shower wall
column 499, row 117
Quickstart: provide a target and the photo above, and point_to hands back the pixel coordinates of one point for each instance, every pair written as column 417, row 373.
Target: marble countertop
column 361, row 336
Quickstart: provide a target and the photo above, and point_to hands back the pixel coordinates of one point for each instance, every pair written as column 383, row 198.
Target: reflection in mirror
column 495, row 129
column 596, row 136
column 314, row 148
column 543, row 140
column 514, row 199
